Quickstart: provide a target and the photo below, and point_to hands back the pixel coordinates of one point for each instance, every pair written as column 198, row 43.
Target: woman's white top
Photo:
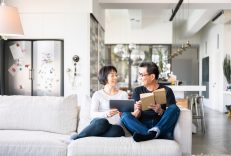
column 100, row 102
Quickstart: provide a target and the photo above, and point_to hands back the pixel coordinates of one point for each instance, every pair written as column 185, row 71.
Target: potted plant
column 227, row 70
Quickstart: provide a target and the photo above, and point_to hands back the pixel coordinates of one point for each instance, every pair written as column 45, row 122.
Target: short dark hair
column 103, row 73
column 152, row 68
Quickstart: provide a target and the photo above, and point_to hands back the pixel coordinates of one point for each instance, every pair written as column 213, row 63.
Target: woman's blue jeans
column 102, row 128
column 165, row 125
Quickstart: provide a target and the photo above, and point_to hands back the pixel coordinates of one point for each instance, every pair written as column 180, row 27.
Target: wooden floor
column 217, row 138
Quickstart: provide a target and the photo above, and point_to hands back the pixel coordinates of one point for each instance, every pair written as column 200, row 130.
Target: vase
column 228, row 87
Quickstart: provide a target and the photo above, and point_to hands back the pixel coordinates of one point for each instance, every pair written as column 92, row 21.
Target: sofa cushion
column 45, row 113
column 84, row 115
column 123, row 146
column 32, row 143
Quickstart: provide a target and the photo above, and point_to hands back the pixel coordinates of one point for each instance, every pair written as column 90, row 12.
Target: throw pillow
column 84, row 115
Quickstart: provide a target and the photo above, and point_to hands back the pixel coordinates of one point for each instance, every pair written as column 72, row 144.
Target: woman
column 100, row 110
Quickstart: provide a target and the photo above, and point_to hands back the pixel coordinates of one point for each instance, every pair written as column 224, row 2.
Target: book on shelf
column 158, row 96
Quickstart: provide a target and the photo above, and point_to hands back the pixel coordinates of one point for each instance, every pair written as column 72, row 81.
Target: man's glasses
column 142, row 75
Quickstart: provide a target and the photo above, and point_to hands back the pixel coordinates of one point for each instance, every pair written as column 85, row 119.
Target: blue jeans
column 100, row 127
column 164, row 127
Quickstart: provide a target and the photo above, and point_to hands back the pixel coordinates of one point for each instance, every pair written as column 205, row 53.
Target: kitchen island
column 180, row 90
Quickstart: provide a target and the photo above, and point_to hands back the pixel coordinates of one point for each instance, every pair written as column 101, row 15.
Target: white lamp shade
column 10, row 24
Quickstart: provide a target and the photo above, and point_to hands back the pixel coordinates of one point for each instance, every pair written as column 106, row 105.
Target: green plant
column 227, row 68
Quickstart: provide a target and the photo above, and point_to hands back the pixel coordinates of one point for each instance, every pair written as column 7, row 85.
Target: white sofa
column 40, row 126
column 36, row 126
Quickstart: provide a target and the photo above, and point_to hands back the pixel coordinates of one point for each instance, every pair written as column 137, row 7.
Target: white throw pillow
column 84, row 115
column 45, row 113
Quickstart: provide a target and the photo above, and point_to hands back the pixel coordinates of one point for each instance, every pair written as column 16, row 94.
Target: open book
column 157, row 96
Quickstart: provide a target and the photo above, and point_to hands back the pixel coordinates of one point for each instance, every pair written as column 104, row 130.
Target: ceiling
column 164, row 4
column 192, row 15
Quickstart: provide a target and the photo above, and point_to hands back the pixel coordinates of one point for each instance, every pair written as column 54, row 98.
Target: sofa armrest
column 183, row 131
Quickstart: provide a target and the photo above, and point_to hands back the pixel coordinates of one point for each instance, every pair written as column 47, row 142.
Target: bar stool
column 197, row 109
column 191, row 100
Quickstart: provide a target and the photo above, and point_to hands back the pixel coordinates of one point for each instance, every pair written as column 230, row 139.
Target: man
column 159, row 120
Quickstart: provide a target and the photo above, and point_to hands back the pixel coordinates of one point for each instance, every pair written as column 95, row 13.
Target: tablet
column 122, row 105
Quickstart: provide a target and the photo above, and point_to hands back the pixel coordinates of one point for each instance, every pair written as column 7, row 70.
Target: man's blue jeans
column 164, row 127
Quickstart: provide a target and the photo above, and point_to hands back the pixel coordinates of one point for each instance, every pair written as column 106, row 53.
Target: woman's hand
column 157, row 108
column 112, row 112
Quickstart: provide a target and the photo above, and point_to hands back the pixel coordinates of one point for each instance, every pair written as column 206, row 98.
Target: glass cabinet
column 33, row 67
column 98, row 56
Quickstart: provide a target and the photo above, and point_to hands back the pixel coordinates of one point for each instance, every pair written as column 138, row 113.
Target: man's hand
column 157, row 108
column 137, row 109
column 138, row 105
column 112, row 112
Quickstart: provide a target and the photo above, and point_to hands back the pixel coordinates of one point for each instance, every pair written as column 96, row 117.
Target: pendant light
column 10, row 21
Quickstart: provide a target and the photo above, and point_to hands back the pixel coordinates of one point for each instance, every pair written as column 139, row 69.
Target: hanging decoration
column 129, row 52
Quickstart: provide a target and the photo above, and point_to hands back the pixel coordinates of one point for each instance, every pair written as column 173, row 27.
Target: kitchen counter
column 188, row 88
column 179, row 94
column 179, row 90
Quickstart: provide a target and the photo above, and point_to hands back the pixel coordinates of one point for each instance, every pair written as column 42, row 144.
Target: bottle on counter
column 172, row 78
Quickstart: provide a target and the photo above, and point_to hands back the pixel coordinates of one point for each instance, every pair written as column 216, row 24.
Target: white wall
column 99, row 13
column 218, row 82
column 63, row 19
column 186, row 66
column 119, row 31
column 178, row 37
column 227, row 50
column 209, row 34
